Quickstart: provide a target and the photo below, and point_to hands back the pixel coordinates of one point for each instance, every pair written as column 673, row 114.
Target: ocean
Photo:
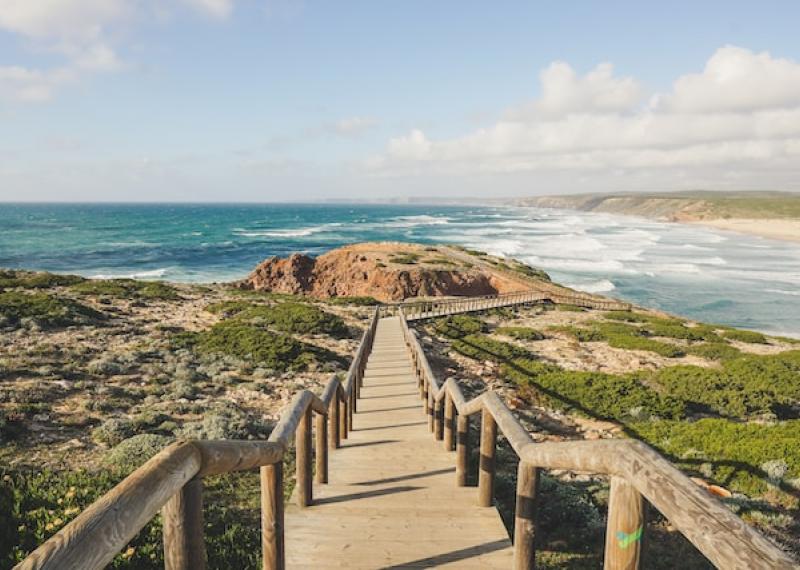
column 700, row 273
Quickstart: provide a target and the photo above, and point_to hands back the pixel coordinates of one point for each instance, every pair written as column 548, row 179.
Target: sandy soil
column 788, row 230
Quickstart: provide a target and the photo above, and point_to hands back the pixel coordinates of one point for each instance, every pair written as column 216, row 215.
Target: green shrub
column 714, row 351
column 130, row 453
column 568, row 308
column 743, row 387
column 745, row 336
column 34, row 505
column 35, row 280
column 733, row 454
column 457, row 326
column 626, row 316
column 228, row 308
column 608, row 396
column 619, row 335
column 251, row 342
column 295, row 318
column 127, row 289
column 113, row 431
column 405, row 258
column 45, row 310
column 641, row 343
column 227, row 422
column 521, row 333
column 481, row 347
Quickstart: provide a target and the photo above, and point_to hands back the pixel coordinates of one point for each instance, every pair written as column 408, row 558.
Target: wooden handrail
column 637, row 472
column 172, row 481
column 417, row 310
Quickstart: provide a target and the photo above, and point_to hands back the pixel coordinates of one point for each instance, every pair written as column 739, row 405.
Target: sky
column 274, row 100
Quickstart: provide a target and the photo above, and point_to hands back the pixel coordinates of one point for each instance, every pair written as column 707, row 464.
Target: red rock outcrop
column 385, row 271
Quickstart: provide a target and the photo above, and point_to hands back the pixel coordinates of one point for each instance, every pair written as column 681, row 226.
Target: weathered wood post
column 525, row 516
column 351, row 408
column 303, row 459
column 625, row 527
column 184, row 546
column 321, row 449
column 462, row 449
column 487, row 460
column 449, row 422
column 272, row 517
column 343, row 417
column 334, row 439
column 438, row 419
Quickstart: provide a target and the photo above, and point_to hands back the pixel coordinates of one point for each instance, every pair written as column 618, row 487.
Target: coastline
column 770, row 228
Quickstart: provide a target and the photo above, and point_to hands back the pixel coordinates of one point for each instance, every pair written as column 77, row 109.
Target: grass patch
column 127, row 289
column 43, row 309
column 228, row 308
column 252, row 342
column 621, row 335
column 714, row 351
column 745, row 457
column 10, row 278
column 745, row 336
column 606, row 396
column 298, row 318
column 405, row 258
column 521, row 333
column 745, row 386
column 458, row 326
column 481, row 347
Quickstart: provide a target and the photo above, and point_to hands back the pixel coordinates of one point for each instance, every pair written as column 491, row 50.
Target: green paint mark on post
column 626, row 539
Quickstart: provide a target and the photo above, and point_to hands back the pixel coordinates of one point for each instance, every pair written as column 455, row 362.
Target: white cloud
column 736, row 79
column 216, row 8
column 742, row 113
column 564, row 91
column 81, row 32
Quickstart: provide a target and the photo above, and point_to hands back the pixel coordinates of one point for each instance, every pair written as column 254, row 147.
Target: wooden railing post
column 272, row 517
column 303, row 459
column 625, row 527
column 184, row 546
column 321, row 449
column 449, row 422
column 334, row 438
column 525, row 516
column 343, row 417
column 487, row 460
column 462, row 449
column 438, row 420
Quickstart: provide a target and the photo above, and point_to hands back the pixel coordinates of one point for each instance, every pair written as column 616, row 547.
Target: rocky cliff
column 385, row 271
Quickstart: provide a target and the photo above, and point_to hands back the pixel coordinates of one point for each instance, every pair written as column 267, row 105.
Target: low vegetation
column 43, row 310
column 10, row 279
column 127, row 289
column 458, row 326
column 521, row 333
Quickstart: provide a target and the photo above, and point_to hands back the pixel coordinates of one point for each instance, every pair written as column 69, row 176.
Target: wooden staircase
column 374, row 489
column 391, row 500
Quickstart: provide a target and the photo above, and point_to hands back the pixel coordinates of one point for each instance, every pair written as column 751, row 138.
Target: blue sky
column 262, row 100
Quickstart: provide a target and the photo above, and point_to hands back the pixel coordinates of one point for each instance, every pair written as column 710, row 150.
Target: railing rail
column 636, row 471
column 417, row 310
column 172, row 482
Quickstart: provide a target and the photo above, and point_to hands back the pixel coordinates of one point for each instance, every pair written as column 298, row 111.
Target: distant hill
column 746, row 212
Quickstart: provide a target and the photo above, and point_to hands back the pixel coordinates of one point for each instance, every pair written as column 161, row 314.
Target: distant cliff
column 773, row 215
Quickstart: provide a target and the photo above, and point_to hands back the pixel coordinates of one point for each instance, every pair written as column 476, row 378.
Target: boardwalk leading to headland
column 378, row 484
column 392, row 500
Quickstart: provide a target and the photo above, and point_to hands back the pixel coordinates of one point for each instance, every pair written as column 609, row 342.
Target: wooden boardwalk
column 392, row 499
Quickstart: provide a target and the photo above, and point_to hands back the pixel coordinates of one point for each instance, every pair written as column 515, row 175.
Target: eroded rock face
column 369, row 270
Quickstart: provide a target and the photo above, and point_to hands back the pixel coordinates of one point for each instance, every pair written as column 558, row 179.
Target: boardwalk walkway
column 392, row 500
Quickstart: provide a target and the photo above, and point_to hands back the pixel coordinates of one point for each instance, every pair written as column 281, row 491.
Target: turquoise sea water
column 705, row 274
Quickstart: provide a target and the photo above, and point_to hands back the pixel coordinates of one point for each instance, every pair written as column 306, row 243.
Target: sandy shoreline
column 782, row 229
